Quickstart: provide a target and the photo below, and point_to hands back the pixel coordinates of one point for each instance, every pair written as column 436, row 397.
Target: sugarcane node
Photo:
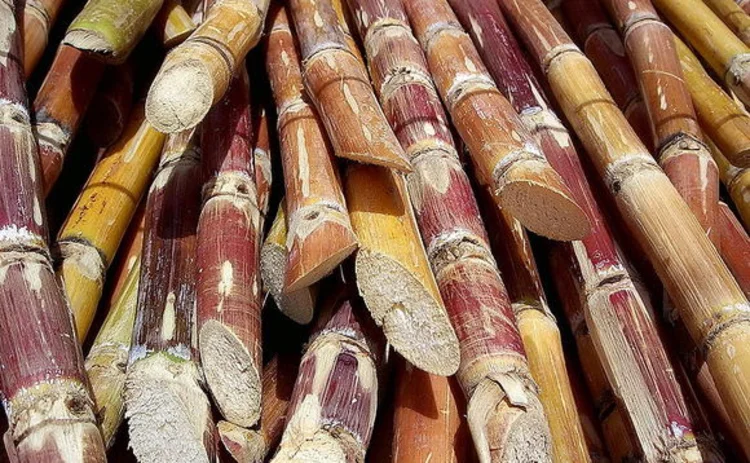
column 682, row 143
column 719, row 330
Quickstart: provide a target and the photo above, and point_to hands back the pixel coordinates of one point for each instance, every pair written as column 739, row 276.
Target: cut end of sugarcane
column 244, row 445
column 54, row 419
column 505, row 430
column 297, row 305
column 737, row 77
column 415, row 323
column 535, row 195
column 180, row 97
column 318, row 253
column 92, row 43
column 169, row 415
column 232, row 376
column 308, row 439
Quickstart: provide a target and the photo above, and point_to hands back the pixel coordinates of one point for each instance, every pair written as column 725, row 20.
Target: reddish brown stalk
column 677, row 137
column 626, row 337
column 428, row 422
column 505, row 157
column 59, row 107
column 38, row 18
column 735, row 247
column 603, row 46
column 169, row 415
column 618, row 435
column 335, row 398
column 711, row 304
column 110, row 108
column 253, row 445
column 229, row 297
column 319, row 233
column 45, row 391
column 493, row 364
column 349, row 110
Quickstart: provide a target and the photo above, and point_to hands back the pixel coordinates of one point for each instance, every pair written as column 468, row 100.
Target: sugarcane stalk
column 744, row 4
column 169, row 415
column 298, row 305
column 195, row 75
column 319, row 235
column 602, row 45
column 63, row 99
column 514, row 253
column 69, row 91
column 108, row 357
column 677, row 137
column 354, row 122
column 109, row 30
column 347, row 24
column 91, row 235
column 618, row 435
column 724, row 52
column 229, row 297
column 128, row 254
column 332, row 409
column 110, row 109
column 393, row 273
column 428, row 423
column 614, row 312
column 723, row 119
column 46, row 396
column 711, row 304
column 736, row 181
column 493, row 362
column 173, row 24
column 38, row 18
column 735, row 247
column 733, row 16
column 503, row 153
column 253, row 445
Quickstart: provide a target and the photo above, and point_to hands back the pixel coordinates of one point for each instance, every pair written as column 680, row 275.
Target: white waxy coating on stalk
column 303, row 161
column 168, row 318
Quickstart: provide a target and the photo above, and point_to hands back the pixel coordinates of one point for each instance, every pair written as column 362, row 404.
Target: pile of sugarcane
column 418, row 142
